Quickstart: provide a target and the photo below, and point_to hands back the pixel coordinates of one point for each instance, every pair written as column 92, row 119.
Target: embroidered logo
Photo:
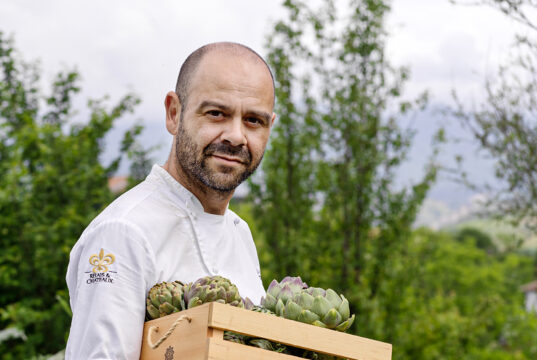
column 101, row 270
column 100, row 263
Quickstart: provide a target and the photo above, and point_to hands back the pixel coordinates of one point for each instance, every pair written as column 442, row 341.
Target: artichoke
column 261, row 309
column 255, row 342
column 324, row 308
column 248, row 304
column 163, row 299
column 267, row 345
column 211, row 288
column 234, row 337
column 285, row 290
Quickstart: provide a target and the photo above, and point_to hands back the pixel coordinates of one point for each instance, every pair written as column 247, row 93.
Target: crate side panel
column 297, row 334
column 188, row 340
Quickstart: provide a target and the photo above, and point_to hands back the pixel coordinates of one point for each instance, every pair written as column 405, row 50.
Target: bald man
column 176, row 224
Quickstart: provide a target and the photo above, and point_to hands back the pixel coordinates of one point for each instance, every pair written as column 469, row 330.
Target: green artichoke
column 324, row 308
column 234, row 337
column 163, row 299
column 261, row 309
column 267, row 345
column 255, row 342
column 211, row 288
column 285, row 290
column 248, row 304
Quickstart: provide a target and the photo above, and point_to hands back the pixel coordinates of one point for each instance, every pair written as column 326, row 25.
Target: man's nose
column 234, row 132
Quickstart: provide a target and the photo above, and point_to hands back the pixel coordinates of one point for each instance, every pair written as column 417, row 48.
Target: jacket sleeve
column 108, row 276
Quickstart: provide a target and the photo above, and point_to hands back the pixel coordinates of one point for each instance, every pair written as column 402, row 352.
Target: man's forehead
column 232, row 61
column 222, row 70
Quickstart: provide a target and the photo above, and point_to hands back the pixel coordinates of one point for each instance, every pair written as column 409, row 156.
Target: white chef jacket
column 157, row 231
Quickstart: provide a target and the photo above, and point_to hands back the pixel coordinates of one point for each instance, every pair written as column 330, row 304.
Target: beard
column 193, row 161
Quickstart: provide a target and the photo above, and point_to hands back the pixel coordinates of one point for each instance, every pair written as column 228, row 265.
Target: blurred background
column 403, row 157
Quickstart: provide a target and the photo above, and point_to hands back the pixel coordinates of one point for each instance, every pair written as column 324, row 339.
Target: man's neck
column 213, row 202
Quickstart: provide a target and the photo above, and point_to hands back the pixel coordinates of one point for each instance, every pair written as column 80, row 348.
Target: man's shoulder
column 240, row 224
column 147, row 210
column 236, row 218
column 139, row 209
column 127, row 206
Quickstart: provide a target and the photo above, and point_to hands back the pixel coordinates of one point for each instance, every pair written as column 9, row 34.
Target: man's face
column 224, row 128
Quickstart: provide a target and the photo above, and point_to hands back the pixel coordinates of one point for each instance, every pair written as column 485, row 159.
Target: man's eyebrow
column 210, row 103
column 260, row 114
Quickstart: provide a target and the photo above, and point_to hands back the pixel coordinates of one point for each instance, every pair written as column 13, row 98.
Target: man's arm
column 107, row 278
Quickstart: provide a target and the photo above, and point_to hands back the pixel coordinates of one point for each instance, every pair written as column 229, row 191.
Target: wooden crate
column 197, row 334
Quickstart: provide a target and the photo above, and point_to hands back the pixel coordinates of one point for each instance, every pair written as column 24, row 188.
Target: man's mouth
column 229, row 158
column 228, row 154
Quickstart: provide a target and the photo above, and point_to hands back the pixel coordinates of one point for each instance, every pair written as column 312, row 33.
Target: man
column 176, row 225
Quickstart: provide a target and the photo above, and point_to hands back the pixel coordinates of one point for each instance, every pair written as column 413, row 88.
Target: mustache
column 240, row 152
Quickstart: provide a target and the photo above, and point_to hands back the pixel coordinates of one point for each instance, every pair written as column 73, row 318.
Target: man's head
column 192, row 62
column 220, row 116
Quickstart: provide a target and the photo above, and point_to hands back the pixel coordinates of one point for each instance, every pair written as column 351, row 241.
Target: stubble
column 193, row 162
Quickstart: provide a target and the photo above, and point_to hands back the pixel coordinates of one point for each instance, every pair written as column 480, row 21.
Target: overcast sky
column 121, row 46
column 139, row 45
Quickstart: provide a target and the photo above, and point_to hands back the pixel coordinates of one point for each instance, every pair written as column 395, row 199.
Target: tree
column 451, row 300
column 287, row 184
column 326, row 205
column 327, row 200
column 515, row 9
column 481, row 239
column 52, row 185
column 504, row 123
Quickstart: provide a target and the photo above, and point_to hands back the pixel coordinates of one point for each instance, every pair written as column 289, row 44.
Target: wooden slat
column 215, row 333
column 297, row 334
column 227, row 350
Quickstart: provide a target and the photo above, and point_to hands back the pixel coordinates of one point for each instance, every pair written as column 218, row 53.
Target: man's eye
column 253, row 120
column 215, row 113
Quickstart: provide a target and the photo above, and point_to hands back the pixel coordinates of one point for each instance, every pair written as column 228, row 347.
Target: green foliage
column 443, row 298
column 503, row 124
column 328, row 179
column 518, row 10
column 481, row 239
column 52, row 186
column 289, row 166
column 452, row 300
column 326, row 205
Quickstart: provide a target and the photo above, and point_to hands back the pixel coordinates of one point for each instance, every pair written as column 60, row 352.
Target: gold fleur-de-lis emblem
column 100, row 263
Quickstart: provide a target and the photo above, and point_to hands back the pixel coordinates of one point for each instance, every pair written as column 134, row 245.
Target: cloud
column 436, row 214
column 122, row 46
column 447, row 46
column 129, row 46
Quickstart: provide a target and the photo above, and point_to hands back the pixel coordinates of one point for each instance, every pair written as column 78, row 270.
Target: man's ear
column 173, row 112
column 272, row 120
